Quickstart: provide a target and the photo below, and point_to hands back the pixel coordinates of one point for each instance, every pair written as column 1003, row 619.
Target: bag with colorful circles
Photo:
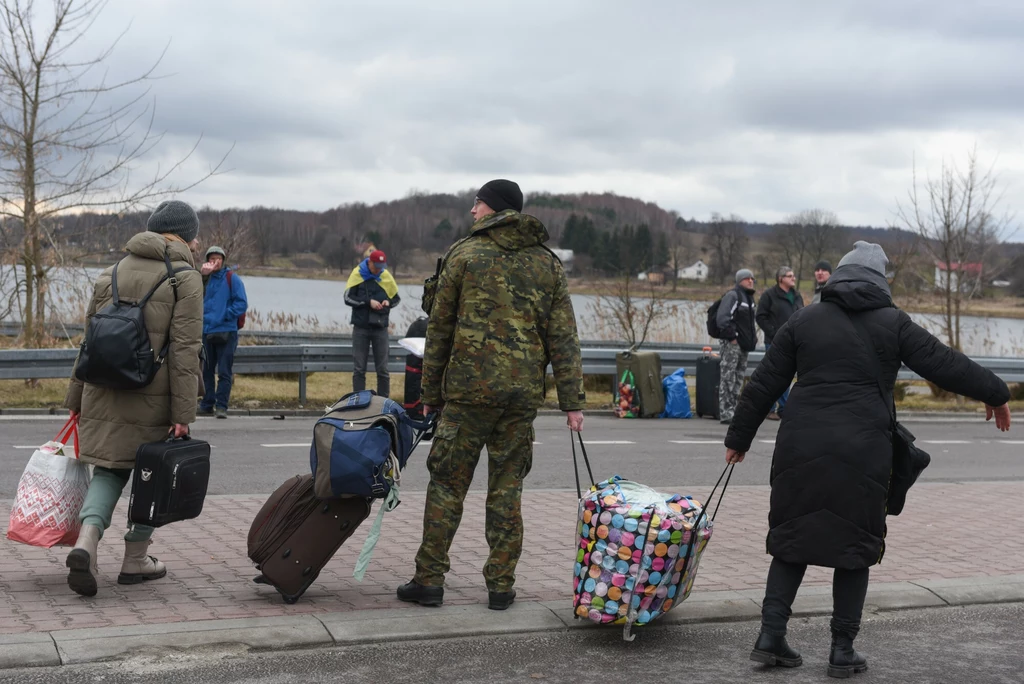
column 638, row 552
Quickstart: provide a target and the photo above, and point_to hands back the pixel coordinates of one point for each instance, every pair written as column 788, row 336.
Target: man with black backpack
column 134, row 384
column 224, row 307
column 738, row 333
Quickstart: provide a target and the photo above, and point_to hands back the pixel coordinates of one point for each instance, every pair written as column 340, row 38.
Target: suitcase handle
column 172, row 438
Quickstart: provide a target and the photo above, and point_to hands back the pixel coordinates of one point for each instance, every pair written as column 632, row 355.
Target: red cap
column 378, row 257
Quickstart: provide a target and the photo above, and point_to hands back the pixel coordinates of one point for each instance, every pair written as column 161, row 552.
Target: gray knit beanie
column 866, row 254
column 175, row 217
column 743, row 274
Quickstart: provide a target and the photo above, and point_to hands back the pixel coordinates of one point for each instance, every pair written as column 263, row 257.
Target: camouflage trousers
column 734, row 365
column 461, row 434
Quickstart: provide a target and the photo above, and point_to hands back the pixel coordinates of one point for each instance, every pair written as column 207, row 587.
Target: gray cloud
column 759, row 108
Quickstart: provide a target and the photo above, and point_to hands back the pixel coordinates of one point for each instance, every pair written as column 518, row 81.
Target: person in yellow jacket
column 372, row 292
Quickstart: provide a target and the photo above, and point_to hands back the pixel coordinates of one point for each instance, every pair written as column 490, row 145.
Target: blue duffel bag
column 360, row 446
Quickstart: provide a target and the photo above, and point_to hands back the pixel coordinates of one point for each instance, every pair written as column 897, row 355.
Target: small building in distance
column 958, row 275
column 565, row 256
column 695, row 271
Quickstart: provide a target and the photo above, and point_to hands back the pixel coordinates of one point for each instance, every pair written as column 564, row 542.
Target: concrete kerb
column 72, row 647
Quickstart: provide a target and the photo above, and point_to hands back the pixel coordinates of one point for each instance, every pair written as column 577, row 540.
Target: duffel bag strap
column 576, row 466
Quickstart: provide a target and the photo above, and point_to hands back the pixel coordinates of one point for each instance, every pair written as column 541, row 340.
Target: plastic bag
column 677, row 396
column 51, row 493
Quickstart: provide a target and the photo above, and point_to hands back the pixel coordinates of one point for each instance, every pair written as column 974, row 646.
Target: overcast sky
column 758, row 108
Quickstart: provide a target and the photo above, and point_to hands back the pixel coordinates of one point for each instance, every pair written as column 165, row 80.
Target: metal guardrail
column 598, row 359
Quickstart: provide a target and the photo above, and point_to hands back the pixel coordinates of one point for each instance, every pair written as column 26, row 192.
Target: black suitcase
column 414, row 372
column 295, row 534
column 169, row 481
column 709, row 374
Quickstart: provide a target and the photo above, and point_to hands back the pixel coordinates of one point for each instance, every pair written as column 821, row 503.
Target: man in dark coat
column 833, row 454
column 372, row 293
column 735, row 320
column 822, row 272
column 775, row 307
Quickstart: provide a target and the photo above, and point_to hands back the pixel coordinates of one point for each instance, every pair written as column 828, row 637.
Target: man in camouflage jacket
column 500, row 314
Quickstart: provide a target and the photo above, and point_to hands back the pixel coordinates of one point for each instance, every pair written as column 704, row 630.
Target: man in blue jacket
column 224, row 308
column 372, row 292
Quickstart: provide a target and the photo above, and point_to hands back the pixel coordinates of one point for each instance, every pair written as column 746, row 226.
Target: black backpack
column 713, row 329
column 116, row 352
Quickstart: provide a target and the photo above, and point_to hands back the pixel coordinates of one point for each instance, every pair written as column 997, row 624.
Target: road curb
column 292, row 632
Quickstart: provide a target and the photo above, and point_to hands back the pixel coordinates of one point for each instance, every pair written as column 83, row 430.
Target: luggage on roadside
column 50, row 493
column 709, row 374
column 677, row 395
column 295, row 534
column 412, row 402
column 637, row 549
column 639, row 391
column 360, row 446
column 169, row 481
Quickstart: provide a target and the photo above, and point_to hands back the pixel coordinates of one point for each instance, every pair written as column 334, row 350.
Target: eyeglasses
column 789, row 275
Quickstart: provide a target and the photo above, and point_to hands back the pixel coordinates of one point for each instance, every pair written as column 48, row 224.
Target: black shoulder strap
column 876, row 368
column 113, row 285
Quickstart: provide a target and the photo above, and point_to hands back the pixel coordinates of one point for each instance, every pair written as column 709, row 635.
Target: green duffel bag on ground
column 638, row 383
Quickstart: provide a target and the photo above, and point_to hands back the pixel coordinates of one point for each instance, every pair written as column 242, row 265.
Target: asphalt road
column 979, row 644
column 255, row 455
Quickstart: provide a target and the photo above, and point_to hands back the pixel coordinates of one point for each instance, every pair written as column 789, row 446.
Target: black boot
column 414, row 592
column 773, row 650
column 844, row 662
column 500, row 600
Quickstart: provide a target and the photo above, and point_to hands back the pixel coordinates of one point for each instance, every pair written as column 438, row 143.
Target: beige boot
column 82, row 561
column 138, row 565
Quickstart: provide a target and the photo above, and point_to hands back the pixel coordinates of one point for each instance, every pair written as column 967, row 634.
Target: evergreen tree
column 570, row 236
column 443, row 229
column 662, row 255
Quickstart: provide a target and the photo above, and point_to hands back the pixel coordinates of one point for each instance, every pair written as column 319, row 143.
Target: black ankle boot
column 844, row 662
column 773, row 650
column 500, row 600
column 414, row 592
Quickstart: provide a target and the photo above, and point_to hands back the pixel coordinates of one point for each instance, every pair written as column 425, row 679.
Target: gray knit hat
column 175, row 217
column 743, row 274
column 866, row 254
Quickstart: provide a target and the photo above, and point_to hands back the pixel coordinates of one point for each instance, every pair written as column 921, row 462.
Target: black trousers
column 849, row 587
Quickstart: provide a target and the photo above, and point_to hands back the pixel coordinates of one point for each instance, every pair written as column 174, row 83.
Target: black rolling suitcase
column 295, row 534
column 709, row 373
column 169, row 481
column 412, row 403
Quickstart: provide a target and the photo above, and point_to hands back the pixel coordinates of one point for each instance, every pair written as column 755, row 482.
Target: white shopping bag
column 51, row 493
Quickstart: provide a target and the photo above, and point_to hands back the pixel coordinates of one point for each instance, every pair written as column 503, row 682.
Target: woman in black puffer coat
column 833, row 454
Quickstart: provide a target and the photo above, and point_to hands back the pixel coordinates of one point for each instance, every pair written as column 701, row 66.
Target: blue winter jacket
column 222, row 304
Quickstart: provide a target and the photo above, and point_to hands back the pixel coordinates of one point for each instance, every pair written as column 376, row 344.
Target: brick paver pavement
column 946, row 531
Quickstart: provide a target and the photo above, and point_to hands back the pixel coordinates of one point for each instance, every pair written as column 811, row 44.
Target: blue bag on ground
column 677, row 396
column 360, row 446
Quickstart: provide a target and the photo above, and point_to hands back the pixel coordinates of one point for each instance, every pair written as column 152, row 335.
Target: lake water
column 318, row 305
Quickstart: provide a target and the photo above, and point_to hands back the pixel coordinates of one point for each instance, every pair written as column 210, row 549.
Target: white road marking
column 946, row 441
column 1009, row 441
column 607, row 442
column 285, row 446
column 696, row 441
column 766, row 441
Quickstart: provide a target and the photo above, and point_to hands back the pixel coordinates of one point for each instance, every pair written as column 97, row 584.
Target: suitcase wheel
column 290, row 600
column 260, row 579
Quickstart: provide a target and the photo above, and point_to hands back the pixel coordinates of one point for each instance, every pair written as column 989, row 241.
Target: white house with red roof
column 960, row 276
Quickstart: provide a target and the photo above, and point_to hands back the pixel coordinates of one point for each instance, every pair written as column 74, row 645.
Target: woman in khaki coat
column 113, row 423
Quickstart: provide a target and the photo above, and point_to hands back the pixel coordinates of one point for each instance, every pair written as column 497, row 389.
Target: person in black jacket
column 735, row 320
column 833, row 454
column 372, row 292
column 774, row 308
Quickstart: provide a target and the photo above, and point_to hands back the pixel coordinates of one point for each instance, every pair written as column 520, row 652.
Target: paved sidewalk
column 947, row 531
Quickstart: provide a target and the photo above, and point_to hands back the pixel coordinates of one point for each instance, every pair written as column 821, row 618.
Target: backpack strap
column 113, row 285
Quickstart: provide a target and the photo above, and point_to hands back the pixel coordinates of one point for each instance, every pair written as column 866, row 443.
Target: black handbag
column 908, row 461
column 169, row 481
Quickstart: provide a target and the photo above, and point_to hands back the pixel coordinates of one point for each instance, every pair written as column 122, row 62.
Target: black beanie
column 823, row 266
column 175, row 217
column 501, row 194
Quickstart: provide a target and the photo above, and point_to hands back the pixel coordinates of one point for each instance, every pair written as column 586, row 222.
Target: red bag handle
column 70, row 429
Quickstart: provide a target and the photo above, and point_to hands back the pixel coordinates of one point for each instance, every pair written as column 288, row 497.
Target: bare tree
column 680, row 252
column 633, row 311
column 955, row 216
column 727, row 242
column 69, row 138
column 231, row 230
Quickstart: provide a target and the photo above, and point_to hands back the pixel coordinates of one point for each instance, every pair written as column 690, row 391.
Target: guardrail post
column 302, row 388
